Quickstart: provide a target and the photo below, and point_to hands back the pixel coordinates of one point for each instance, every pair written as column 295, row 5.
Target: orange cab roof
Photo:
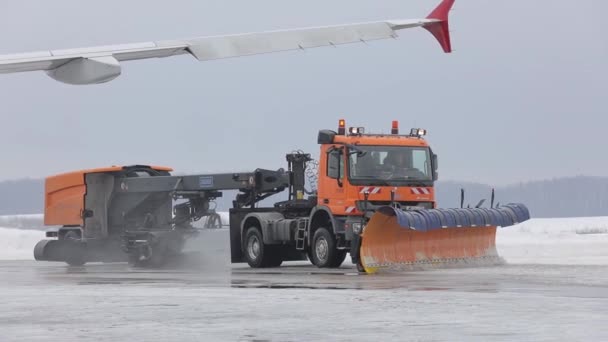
column 380, row 139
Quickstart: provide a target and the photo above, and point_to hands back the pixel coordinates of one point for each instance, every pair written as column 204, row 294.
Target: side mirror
column 334, row 163
column 435, row 167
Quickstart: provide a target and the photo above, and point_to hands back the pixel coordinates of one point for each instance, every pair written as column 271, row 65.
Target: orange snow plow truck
column 370, row 195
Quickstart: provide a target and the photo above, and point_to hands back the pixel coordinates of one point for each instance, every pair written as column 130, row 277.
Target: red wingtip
column 440, row 30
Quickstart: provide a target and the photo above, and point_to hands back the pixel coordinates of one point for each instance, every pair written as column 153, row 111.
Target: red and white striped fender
column 420, row 191
column 350, row 210
column 370, row 189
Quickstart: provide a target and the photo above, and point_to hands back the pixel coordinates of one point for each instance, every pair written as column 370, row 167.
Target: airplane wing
column 102, row 64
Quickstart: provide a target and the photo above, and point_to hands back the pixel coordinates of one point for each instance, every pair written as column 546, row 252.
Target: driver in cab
column 399, row 164
column 397, row 161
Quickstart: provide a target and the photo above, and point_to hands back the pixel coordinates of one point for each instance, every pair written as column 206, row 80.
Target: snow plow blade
column 395, row 239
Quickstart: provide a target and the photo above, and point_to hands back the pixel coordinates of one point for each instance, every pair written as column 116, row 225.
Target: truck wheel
column 155, row 259
column 256, row 253
column 323, row 250
column 152, row 255
column 214, row 221
column 76, row 251
column 133, row 259
column 276, row 255
column 340, row 256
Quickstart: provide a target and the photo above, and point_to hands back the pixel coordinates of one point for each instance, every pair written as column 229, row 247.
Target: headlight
column 426, row 205
column 418, row 132
column 357, row 228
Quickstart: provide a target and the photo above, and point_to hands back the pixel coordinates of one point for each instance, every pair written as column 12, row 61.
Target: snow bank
column 31, row 221
column 563, row 241
column 18, row 244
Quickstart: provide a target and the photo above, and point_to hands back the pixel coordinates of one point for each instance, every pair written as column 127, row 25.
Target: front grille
column 373, row 205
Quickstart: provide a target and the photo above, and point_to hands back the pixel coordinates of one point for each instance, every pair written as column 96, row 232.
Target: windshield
column 389, row 163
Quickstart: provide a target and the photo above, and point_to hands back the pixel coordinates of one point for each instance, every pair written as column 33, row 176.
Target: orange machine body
column 64, row 195
column 341, row 197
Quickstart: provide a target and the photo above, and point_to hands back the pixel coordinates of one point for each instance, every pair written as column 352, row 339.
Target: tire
column 214, row 221
column 323, row 250
column 340, row 257
column 159, row 256
column 256, row 253
column 276, row 255
column 76, row 253
column 156, row 255
column 133, row 259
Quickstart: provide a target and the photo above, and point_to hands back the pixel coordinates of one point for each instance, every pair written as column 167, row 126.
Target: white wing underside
column 101, row 64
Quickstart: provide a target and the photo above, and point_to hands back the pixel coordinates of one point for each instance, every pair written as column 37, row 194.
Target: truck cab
column 359, row 171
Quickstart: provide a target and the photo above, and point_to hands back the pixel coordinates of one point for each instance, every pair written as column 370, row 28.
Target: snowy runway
column 554, row 287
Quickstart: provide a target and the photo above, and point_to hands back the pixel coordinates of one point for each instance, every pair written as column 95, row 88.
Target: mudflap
column 395, row 240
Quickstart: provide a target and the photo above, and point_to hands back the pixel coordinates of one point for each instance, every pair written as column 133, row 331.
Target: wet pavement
column 108, row 302
column 556, row 291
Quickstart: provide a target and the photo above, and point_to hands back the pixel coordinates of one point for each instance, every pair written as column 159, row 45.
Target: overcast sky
column 523, row 96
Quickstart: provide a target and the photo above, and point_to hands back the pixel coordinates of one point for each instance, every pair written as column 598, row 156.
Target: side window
column 335, row 164
column 420, row 161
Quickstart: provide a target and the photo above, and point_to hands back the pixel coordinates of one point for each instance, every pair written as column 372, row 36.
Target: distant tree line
column 560, row 197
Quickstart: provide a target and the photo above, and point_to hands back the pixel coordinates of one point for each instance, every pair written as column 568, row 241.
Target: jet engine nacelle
column 87, row 70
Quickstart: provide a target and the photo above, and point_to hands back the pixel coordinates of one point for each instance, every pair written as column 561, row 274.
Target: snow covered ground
column 19, row 234
column 18, row 244
column 29, row 221
column 563, row 241
column 555, row 288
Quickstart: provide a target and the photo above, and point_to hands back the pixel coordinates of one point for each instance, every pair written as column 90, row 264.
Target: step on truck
column 368, row 195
